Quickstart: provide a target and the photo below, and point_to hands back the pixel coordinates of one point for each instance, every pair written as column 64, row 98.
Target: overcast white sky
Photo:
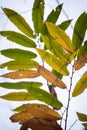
column 73, row 8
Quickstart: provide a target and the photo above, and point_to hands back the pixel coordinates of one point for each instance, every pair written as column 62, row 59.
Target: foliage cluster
column 50, row 42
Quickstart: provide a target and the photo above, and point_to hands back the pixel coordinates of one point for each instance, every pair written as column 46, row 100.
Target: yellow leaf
column 53, row 61
column 21, row 74
column 60, row 36
column 50, row 77
column 81, row 85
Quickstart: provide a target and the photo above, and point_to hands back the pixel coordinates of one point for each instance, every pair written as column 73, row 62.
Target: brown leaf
column 40, row 124
column 81, row 61
column 22, row 74
column 35, row 111
column 50, row 77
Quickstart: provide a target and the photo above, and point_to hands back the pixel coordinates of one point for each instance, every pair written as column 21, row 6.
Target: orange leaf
column 50, row 77
column 22, row 74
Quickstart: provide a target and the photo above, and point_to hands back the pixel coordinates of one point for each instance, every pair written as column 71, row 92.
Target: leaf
column 20, row 85
column 60, row 36
column 82, row 50
column 19, row 22
column 81, row 61
column 44, row 96
column 18, row 54
column 81, row 85
column 82, row 117
column 54, row 14
column 17, row 96
column 50, row 77
column 18, row 38
column 37, row 15
column 53, row 61
column 64, row 25
column 21, row 74
column 19, row 64
column 79, row 31
column 35, row 111
column 57, row 74
column 40, row 124
column 55, row 48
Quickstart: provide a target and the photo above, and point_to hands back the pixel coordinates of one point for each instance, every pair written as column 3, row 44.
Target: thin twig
column 73, row 124
column 69, row 96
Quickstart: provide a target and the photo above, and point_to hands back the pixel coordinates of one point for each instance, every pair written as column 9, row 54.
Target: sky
column 71, row 10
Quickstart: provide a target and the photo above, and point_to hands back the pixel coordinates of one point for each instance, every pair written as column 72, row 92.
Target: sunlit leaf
column 19, row 64
column 82, row 59
column 54, row 14
column 49, row 76
column 79, row 31
column 82, row 117
column 44, row 96
column 36, row 110
column 19, row 22
column 81, row 85
column 64, row 25
column 60, row 36
column 54, row 47
column 17, row 96
column 37, row 15
column 20, row 85
column 21, row 74
column 18, row 54
column 53, row 61
column 18, row 38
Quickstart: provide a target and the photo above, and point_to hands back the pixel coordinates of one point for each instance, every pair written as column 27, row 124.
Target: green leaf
column 60, row 36
column 20, row 85
column 79, row 31
column 19, row 64
column 82, row 117
column 19, row 22
column 54, row 14
column 37, row 15
column 82, row 49
column 44, row 96
column 17, row 96
column 81, row 85
column 64, row 25
column 81, row 57
column 18, row 54
column 60, row 76
column 54, row 47
column 18, row 38
column 53, row 61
